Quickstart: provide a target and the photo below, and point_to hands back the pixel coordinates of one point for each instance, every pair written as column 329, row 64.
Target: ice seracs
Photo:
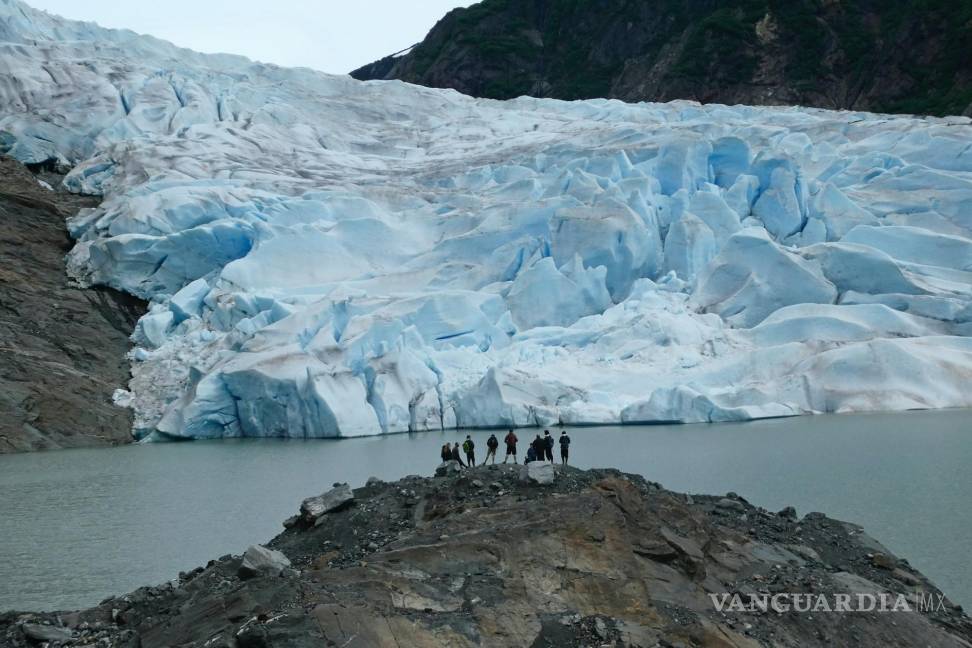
column 326, row 257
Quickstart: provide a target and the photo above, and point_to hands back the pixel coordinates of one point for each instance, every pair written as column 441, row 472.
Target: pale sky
column 334, row 36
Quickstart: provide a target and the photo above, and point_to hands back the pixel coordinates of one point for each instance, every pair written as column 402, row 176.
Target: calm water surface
column 79, row 525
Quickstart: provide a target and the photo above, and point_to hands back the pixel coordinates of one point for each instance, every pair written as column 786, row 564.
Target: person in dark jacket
column 564, row 446
column 548, row 444
column 446, row 452
column 539, row 448
column 531, row 455
column 455, row 454
column 470, row 449
column 491, row 444
column 510, row 440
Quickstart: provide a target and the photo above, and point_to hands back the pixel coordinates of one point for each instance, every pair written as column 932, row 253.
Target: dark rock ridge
column 62, row 348
column 489, row 557
column 902, row 56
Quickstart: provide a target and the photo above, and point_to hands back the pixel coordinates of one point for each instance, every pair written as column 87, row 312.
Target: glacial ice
column 326, row 257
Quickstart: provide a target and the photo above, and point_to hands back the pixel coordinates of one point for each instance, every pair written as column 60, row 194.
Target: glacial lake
column 79, row 525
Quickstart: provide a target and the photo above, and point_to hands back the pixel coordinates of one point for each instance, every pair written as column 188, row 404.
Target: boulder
column 727, row 504
column 600, row 628
column 260, row 561
column 884, row 561
column 71, row 619
column 447, row 468
column 335, row 499
column 905, row 577
column 45, row 633
column 537, row 472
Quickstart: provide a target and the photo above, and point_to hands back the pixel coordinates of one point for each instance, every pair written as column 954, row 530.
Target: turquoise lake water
column 79, row 525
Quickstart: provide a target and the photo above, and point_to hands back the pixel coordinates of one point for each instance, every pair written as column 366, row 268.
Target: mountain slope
column 62, row 348
column 902, row 56
column 330, row 257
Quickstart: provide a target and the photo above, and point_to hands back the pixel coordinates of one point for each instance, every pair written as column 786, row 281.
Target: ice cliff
column 329, row 257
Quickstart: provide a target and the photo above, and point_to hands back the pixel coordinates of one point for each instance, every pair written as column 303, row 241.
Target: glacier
column 326, row 257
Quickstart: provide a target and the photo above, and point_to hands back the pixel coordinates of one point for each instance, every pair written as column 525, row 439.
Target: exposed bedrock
column 483, row 557
column 62, row 347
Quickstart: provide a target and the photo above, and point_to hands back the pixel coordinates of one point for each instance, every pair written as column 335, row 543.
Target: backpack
column 564, row 441
column 467, row 446
column 511, row 439
column 492, row 442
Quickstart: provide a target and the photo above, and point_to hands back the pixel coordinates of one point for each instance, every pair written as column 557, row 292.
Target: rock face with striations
column 853, row 54
column 596, row 558
column 62, row 348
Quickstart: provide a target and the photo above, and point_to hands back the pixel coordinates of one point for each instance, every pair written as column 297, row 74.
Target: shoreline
column 164, row 439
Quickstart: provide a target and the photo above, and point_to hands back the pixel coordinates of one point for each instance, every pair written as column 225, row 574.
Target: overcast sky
column 331, row 35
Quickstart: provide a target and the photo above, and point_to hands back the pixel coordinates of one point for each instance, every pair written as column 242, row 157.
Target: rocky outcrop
column 260, row 561
column 62, row 348
column 537, row 472
column 480, row 558
column 335, row 499
column 853, row 54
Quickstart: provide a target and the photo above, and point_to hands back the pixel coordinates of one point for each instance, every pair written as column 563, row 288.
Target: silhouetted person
column 446, row 452
column 539, row 448
column 531, row 455
column 470, row 449
column 510, row 446
column 564, row 446
column 455, row 455
column 491, row 444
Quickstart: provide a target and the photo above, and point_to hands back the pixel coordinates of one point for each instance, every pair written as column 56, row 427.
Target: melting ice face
column 327, row 257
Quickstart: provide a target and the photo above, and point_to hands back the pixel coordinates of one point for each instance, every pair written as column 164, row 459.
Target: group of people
column 540, row 449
